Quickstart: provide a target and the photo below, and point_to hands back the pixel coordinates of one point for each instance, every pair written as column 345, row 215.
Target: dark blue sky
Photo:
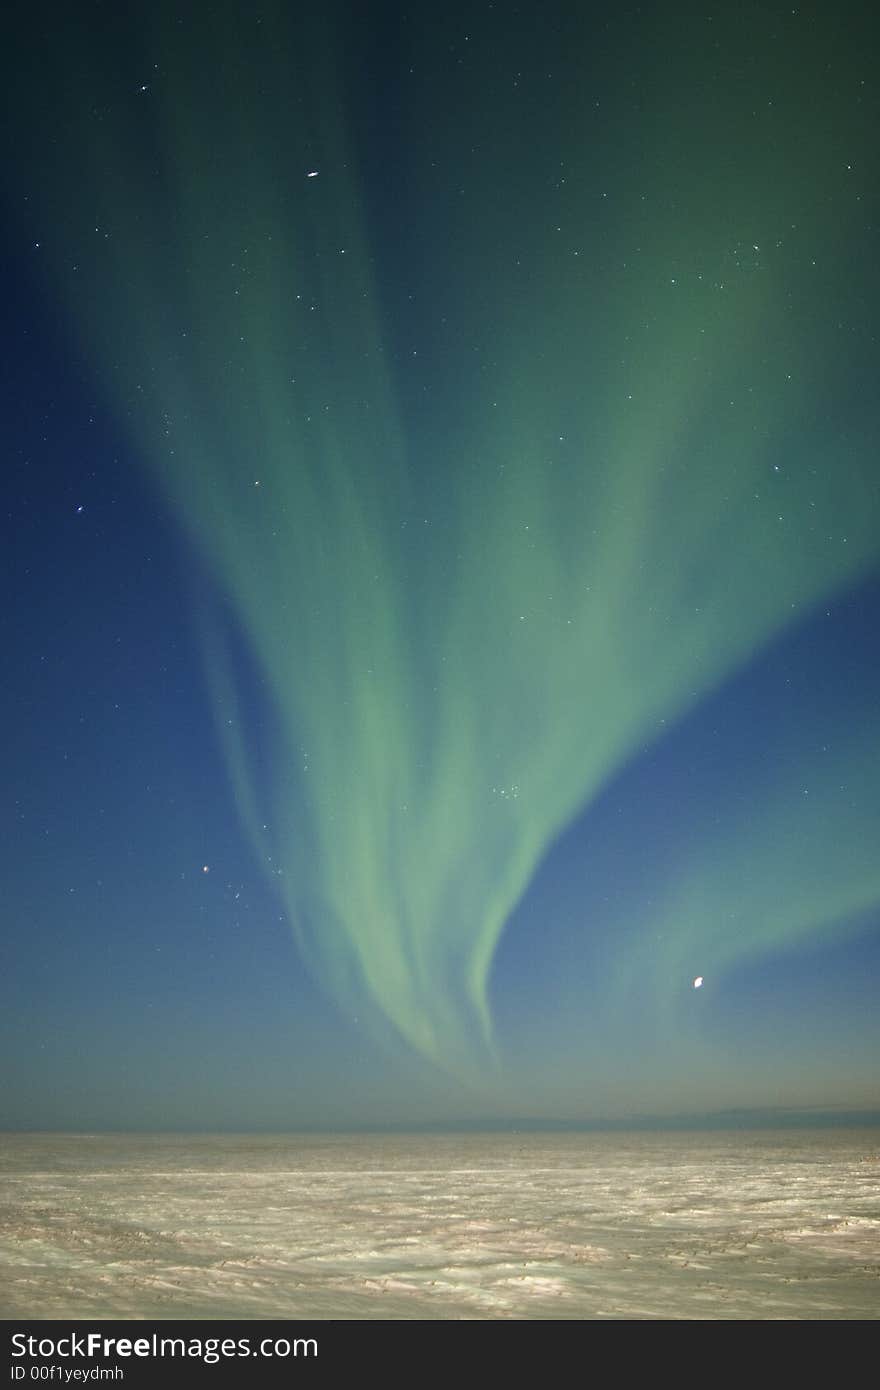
column 601, row 362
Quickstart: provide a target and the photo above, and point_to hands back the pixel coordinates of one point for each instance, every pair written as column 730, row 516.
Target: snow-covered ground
column 696, row 1225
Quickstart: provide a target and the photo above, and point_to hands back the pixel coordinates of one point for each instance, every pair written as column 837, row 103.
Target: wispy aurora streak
column 458, row 656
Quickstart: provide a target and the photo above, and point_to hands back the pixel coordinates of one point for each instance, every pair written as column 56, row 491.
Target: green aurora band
column 463, row 632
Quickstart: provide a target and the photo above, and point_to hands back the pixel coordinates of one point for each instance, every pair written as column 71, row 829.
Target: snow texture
column 686, row 1225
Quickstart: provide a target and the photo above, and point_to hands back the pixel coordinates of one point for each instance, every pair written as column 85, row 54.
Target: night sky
column 441, row 553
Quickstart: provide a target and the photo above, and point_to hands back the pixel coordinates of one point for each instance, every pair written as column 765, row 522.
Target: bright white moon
column 698, row 981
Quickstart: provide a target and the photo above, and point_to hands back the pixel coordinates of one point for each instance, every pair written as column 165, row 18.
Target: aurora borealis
column 504, row 384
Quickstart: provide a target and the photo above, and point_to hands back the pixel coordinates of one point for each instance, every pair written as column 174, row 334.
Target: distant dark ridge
column 818, row 1118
